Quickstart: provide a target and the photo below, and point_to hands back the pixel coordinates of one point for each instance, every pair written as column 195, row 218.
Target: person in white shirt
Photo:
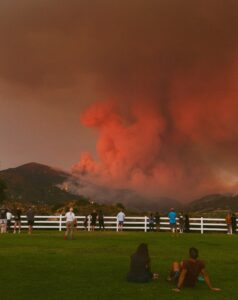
column 9, row 221
column 70, row 219
column 120, row 220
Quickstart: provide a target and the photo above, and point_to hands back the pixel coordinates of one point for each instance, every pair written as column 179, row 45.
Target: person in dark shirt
column 30, row 215
column 151, row 222
column 186, row 274
column 186, row 223
column 85, row 223
column 157, row 221
column 93, row 219
column 181, row 223
column 3, row 219
column 101, row 220
column 17, row 219
column 233, row 223
column 140, row 266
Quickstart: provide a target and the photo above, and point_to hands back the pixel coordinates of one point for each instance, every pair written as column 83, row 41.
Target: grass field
column 94, row 265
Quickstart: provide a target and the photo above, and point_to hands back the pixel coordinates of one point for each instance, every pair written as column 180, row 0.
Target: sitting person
column 188, row 272
column 140, row 266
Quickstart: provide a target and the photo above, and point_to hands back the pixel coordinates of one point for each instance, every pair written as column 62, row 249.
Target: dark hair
column 193, row 253
column 142, row 250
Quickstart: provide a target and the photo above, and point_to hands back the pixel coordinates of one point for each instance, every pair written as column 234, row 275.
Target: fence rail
column 131, row 223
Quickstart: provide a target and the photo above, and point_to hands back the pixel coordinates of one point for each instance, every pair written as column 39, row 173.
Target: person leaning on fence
column 172, row 221
column 151, row 222
column 85, row 223
column 9, row 220
column 120, row 220
column 228, row 223
column 233, row 222
column 70, row 220
column 181, row 223
column 188, row 272
column 3, row 219
column 157, row 221
column 30, row 215
column 186, row 223
column 94, row 216
column 101, row 220
column 140, row 271
column 17, row 220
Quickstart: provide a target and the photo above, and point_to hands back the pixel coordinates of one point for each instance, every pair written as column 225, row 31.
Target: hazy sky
column 176, row 58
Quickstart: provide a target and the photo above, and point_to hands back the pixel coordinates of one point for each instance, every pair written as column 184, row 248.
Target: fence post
column 202, row 225
column 89, row 223
column 60, row 223
column 145, row 224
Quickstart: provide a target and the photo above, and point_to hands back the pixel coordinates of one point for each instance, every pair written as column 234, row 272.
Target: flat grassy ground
column 94, row 265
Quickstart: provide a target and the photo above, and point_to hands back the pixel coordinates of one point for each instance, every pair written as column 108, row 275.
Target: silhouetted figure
column 94, row 216
column 233, row 223
column 181, row 223
column 151, row 222
column 85, row 223
column 186, row 223
column 157, row 221
column 101, row 220
column 140, row 265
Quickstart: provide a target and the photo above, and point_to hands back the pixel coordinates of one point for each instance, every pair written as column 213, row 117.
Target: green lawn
column 94, row 265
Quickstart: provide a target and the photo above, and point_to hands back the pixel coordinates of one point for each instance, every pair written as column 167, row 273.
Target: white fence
column 131, row 223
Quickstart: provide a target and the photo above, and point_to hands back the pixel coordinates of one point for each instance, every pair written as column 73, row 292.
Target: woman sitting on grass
column 140, row 266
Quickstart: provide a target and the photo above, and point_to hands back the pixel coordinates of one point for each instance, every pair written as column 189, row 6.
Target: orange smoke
column 184, row 148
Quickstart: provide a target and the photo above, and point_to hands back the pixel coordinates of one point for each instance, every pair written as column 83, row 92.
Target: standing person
column 151, row 222
column 101, row 220
column 233, row 223
column 17, row 220
column 140, row 266
column 228, row 223
column 181, row 223
column 94, row 216
column 186, row 224
column 30, row 215
column 85, row 223
column 157, row 221
column 172, row 221
column 186, row 274
column 70, row 219
column 3, row 219
column 120, row 220
column 9, row 220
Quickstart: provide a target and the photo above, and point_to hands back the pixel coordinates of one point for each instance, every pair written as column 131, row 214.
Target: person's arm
column 208, row 282
column 180, row 281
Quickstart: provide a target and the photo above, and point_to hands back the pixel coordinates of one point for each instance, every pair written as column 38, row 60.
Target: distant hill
column 214, row 202
column 43, row 185
column 37, row 184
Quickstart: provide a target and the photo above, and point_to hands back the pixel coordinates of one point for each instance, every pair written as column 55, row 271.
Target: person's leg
column 174, row 271
column 19, row 226
column 67, row 231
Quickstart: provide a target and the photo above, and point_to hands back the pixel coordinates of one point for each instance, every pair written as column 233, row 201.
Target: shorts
column 175, row 277
column 93, row 223
column 121, row 223
column 70, row 224
column 3, row 221
column 173, row 225
column 30, row 222
column 17, row 221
